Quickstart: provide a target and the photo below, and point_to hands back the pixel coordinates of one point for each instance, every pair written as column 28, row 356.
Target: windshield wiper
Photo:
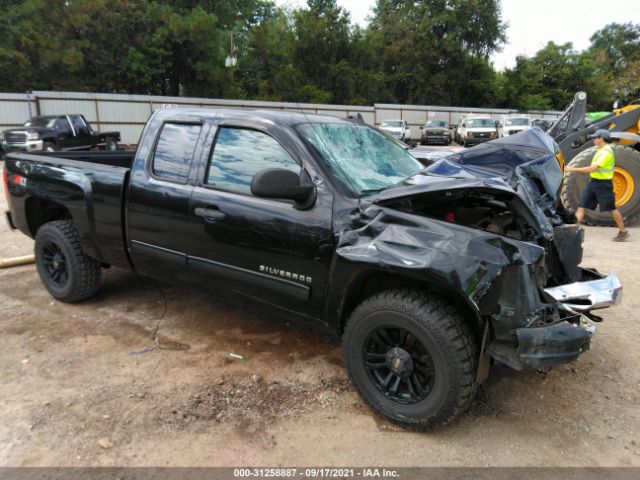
column 371, row 191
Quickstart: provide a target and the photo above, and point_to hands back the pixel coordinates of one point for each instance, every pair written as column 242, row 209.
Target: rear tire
column 627, row 160
column 68, row 274
column 437, row 383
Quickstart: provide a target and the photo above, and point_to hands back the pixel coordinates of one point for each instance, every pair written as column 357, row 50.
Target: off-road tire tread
column 437, row 313
column 86, row 269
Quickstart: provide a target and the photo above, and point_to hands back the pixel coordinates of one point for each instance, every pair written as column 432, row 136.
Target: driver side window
column 239, row 154
column 62, row 124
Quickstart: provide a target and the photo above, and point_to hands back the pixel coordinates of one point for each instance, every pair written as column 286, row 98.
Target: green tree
column 550, row 78
column 426, row 48
column 616, row 52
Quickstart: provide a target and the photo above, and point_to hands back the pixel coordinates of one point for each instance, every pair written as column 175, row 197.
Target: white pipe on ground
column 17, row 261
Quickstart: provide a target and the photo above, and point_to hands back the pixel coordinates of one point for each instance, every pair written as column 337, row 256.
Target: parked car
column 435, row 131
column 475, row 130
column 541, row 123
column 427, row 274
column 398, row 129
column 58, row 132
column 513, row 124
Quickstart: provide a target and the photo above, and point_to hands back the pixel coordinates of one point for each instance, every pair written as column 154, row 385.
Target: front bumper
column 477, row 140
column 28, row 146
column 563, row 341
column 434, row 138
column 591, row 295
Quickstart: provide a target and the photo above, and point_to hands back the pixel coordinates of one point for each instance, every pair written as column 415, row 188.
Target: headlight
column 33, row 136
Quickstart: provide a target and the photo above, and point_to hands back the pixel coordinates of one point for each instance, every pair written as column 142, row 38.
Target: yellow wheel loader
column 571, row 131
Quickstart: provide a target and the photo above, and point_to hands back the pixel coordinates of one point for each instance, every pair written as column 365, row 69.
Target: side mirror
column 464, row 125
column 281, row 183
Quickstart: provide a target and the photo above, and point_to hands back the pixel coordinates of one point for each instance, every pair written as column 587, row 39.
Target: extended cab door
column 264, row 248
column 64, row 132
column 157, row 216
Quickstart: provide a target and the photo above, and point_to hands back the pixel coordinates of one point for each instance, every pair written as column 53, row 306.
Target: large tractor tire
column 626, row 186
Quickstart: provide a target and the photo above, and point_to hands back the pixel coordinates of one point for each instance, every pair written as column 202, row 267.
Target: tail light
column 469, row 135
column 450, row 217
column 493, row 135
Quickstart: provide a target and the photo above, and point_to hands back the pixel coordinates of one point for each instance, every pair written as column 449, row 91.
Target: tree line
column 434, row 52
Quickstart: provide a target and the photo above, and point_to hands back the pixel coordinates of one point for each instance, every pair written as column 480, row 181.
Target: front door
column 264, row 248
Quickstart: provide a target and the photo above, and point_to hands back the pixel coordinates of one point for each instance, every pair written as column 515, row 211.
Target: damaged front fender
column 476, row 263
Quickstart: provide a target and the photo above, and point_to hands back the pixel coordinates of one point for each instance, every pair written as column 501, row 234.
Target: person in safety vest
column 599, row 190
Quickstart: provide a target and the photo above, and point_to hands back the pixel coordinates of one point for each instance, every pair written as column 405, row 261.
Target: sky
column 532, row 23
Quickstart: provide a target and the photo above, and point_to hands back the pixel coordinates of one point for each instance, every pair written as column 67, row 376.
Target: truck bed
column 89, row 186
column 119, row 158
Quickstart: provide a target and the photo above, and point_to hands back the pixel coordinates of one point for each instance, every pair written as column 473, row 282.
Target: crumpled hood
column 524, row 163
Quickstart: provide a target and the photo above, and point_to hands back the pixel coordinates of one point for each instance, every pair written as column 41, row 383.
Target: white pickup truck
column 398, row 129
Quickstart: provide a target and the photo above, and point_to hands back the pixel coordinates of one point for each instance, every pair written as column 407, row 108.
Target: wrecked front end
column 488, row 226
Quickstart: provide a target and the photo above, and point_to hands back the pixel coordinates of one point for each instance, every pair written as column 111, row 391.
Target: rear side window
column 174, row 151
column 239, row 154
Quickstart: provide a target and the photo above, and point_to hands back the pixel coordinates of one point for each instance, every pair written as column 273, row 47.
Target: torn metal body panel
column 485, row 223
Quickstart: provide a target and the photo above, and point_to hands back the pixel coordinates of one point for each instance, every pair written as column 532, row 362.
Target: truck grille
column 14, row 137
column 482, row 135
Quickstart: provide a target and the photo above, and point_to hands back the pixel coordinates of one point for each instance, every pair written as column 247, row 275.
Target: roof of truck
column 276, row 116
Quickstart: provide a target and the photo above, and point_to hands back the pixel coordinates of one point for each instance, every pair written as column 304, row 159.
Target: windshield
column 363, row 159
column 481, row 122
column 392, row 123
column 41, row 122
column 517, row 122
column 435, row 124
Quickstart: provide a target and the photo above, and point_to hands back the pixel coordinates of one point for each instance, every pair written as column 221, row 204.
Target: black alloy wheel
column 399, row 364
column 55, row 264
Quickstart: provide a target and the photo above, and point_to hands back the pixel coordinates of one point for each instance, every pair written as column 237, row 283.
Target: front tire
column 49, row 147
column 411, row 357
column 67, row 273
column 110, row 144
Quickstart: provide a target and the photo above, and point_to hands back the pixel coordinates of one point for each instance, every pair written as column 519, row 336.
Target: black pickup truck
column 57, row 132
column 429, row 275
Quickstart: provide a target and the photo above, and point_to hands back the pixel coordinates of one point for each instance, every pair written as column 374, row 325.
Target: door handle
column 210, row 214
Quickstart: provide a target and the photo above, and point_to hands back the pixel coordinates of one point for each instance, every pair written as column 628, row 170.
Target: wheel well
column 370, row 284
column 41, row 211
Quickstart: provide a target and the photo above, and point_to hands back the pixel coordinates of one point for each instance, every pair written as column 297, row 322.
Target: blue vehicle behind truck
column 428, row 274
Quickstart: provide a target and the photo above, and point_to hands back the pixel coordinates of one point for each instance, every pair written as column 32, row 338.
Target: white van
column 473, row 130
column 513, row 124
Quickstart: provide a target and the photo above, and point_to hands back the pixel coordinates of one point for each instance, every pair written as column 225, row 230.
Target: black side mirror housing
column 284, row 184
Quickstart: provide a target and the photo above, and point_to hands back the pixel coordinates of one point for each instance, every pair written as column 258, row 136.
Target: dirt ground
column 86, row 385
